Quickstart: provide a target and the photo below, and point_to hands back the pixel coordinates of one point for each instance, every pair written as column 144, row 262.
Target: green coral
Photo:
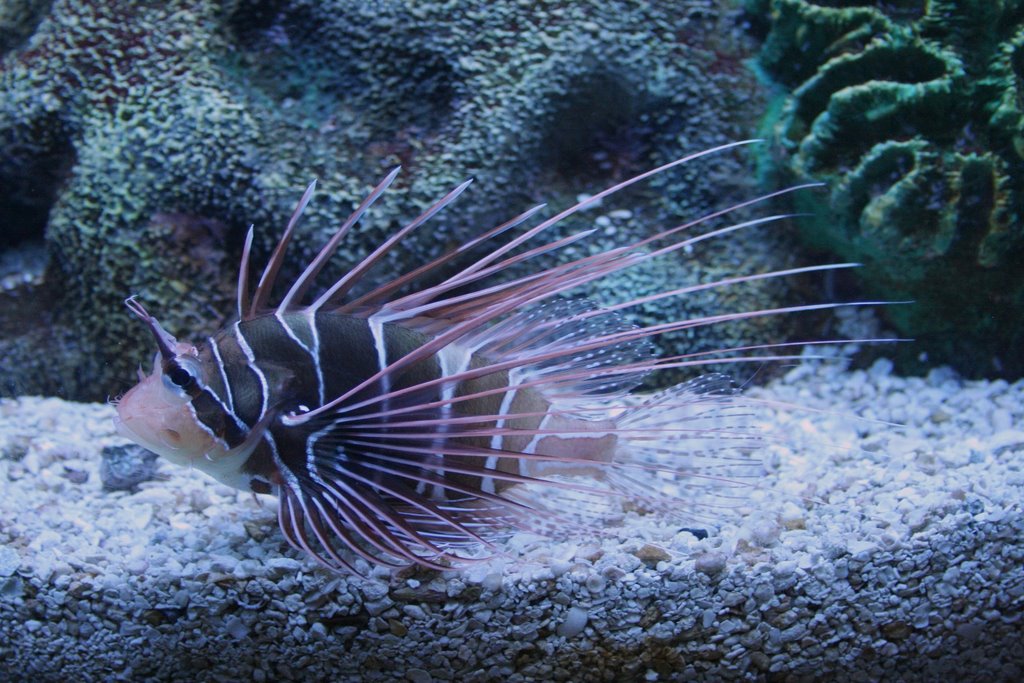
column 18, row 19
column 913, row 115
column 140, row 139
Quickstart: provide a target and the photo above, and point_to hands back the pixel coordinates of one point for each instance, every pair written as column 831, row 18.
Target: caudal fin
column 689, row 450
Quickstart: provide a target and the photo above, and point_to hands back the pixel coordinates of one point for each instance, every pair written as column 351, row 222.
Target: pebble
column 893, row 544
column 10, row 560
column 493, row 581
column 574, row 623
column 236, row 628
column 765, row 533
column 596, row 583
column 415, row 612
column 649, row 552
column 710, row 563
column 124, row 467
column 419, row 676
column 285, row 564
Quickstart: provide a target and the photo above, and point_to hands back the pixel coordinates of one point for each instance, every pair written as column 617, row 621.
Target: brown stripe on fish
column 218, row 382
column 490, row 409
column 347, row 354
column 222, row 423
column 244, row 383
column 211, row 399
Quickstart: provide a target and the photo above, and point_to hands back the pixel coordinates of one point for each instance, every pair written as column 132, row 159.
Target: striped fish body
column 422, row 424
column 284, row 364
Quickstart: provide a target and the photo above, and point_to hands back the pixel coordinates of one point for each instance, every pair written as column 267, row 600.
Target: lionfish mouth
column 123, row 429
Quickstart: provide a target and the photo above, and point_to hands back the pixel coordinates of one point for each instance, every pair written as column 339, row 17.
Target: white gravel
column 869, row 552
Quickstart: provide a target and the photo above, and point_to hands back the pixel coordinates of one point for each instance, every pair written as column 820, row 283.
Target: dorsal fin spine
column 303, row 282
column 349, row 279
column 266, row 283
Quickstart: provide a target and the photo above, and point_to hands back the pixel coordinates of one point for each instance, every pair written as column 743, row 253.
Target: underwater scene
column 511, row 340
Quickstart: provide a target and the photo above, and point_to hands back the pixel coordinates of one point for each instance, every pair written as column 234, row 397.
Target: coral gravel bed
column 889, row 553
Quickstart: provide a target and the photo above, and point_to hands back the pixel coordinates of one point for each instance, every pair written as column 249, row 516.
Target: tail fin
column 688, row 450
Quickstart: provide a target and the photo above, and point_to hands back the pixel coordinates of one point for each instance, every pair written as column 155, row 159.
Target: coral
column 112, row 114
column 141, row 139
column 912, row 114
column 18, row 19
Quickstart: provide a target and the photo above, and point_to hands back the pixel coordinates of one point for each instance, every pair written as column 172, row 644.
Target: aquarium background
column 911, row 113
column 139, row 140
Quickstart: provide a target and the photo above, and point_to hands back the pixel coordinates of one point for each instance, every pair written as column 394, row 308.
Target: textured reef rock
column 121, row 146
column 139, row 140
column 912, row 112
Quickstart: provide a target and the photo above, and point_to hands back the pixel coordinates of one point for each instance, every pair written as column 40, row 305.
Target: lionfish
column 422, row 427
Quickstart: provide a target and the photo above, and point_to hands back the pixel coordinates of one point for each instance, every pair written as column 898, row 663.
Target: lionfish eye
column 179, row 376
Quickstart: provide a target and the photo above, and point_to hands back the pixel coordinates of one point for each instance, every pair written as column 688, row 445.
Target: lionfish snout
column 160, row 420
column 156, row 413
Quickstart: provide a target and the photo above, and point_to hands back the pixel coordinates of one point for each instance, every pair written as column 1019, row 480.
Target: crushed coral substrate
column 867, row 551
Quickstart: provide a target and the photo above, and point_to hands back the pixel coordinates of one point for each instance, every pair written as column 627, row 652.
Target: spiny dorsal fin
column 378, row 299
column 563, row 325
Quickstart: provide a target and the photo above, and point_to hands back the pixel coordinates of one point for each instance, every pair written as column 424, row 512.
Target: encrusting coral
column 142, row 139
column 912, row 114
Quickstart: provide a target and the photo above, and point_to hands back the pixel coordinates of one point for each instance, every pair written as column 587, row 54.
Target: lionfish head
column 157, row 413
